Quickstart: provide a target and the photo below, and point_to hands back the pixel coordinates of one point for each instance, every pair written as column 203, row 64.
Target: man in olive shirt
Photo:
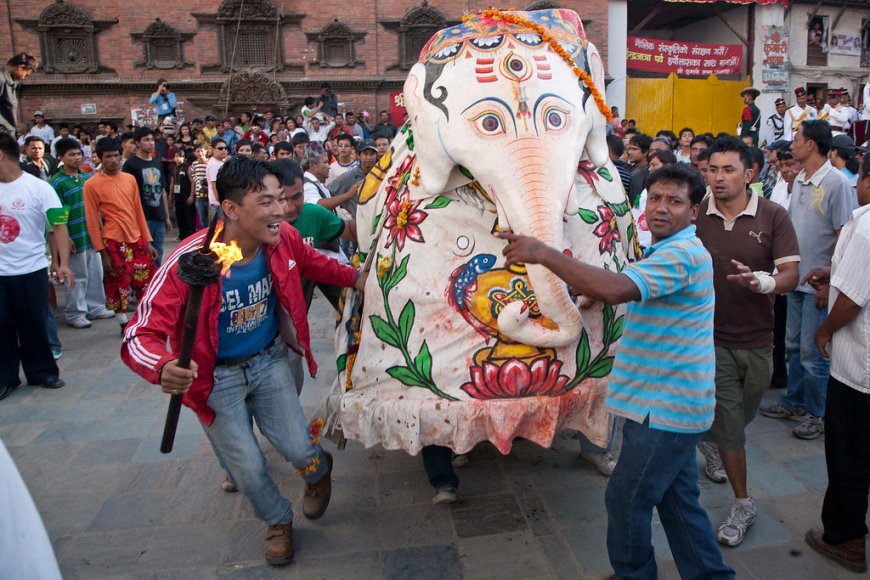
column 747, row 237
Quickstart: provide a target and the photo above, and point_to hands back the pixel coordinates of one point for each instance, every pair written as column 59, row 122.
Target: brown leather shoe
column 849, row 554
column 316, row 498
column 279, row 544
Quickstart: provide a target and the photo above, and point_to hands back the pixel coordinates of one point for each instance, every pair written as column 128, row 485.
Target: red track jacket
column 160, row 314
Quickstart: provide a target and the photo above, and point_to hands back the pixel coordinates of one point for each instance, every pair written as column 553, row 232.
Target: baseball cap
column 38, row 114
column 366, row 144
column 843, row 143
column 776, row 144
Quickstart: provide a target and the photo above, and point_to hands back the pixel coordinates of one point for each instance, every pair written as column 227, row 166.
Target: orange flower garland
column 497, row 14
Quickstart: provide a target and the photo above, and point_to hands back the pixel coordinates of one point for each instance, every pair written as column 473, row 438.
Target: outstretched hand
column 522, row 249
column 744, row 277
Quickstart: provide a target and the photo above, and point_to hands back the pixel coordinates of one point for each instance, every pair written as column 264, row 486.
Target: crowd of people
column 753, row 277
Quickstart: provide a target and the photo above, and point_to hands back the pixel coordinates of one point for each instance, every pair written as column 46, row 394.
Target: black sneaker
column 6, row 391
column 50, row 383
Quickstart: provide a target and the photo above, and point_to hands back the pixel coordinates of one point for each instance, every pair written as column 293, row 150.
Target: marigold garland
column 496, row 14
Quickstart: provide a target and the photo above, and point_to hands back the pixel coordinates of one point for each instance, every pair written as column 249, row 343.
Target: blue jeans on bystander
column 158, row 235
column 808, row 370
column 657, row 469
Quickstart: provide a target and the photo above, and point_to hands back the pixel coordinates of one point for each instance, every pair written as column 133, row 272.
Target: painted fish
column 464, row 276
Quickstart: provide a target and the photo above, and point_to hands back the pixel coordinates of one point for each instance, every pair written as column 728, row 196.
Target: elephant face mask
column 494, row 98
column 451, row 346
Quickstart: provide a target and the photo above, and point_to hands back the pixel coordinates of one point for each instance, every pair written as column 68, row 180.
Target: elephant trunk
column 536, row 210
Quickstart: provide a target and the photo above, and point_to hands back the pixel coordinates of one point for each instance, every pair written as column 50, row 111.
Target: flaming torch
column 197, row 269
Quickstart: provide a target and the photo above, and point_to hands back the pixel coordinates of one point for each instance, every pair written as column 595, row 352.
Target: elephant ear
column 596, row 142
column 428, row 114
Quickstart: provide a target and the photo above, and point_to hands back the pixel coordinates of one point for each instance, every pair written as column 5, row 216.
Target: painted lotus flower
column 403, row 221
column 516, row 379
column 607, row 230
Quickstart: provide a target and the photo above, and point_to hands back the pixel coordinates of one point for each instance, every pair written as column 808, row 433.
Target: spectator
column 152, row 184
column 87, row 299
column 163, row 100
column 821, row 204
column 62, row 133
column 328, row 101
column 316, row 131
column 210, row 130
column 685, row 145
column 637, row 151
column 229, row 135
column 185, row 139
column 36, row 163
column 300, row 142
column 656, row 160
column 255, row 134
column 617, row 150
column 383, row 145
column 345, row 159
column 24, row 272
column 699, row 142
column 259, row 152
column 385, row 128
column 359, row 133
column 17, row 68
column 118, row 231
column 283, row 150
column 199, row 181
column 40, row 128
column 220, row 152
column 181, row 184
column 128, row 146
column 671, row 288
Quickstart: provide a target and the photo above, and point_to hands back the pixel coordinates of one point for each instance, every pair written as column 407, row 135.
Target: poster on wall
column 686, row 59
column 774, row 62
column 846, row 44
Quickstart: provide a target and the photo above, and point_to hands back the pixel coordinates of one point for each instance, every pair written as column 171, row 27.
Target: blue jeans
column 261, row 390
column 158, row 235
column 657, row 469
column 202, row 211
column 808, row 370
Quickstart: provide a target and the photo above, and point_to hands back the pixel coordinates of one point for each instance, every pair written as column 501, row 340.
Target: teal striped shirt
column 666, row 365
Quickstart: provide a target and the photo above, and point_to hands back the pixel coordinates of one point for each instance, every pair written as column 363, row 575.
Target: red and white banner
column 686, row 59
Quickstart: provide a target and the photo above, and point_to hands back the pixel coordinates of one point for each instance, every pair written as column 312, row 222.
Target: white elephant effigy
column 448, row 346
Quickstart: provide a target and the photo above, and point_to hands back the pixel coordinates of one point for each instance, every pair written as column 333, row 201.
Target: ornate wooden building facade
column 101, row 59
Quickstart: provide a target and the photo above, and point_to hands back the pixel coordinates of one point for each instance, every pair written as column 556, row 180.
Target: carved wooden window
column 415, row 30
column 336, row 45
column 163, row 45
column 252, row 28
column 67, row 38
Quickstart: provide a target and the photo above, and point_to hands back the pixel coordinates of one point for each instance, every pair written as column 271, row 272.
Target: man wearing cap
column 41, row 129
column 348, row 183
column 833, row 100
column 750, row 121
column 841, row 115
column 210, row 130
column 798, row 113
column 775, row 124
column 17, row 68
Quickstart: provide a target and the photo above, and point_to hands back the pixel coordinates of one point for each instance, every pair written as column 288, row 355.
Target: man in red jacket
column 242, row 369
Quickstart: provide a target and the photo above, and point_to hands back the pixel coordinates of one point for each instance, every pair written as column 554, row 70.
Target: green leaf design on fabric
column 588, row 216
column 406, row 376
column 385, row 331
column 616, row 329
column 375, row 223
column 406, row 321
column 620, row 209
column 341, row 362
column 423, row 361
column 465, row 172
column 601, row 368
column 583, row 351
column 398, row 275
column 605, row 173
column 440, row 202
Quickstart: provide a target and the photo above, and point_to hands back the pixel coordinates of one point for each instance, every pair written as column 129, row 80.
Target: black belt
column 234, row 362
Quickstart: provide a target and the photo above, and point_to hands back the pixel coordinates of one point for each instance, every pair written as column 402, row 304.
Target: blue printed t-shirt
column 666, row 365
column 247, row 321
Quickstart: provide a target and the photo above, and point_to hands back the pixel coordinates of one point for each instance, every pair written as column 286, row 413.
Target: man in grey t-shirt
column 820, row 205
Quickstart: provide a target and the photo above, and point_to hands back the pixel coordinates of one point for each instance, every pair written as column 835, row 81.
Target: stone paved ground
column 115, row 507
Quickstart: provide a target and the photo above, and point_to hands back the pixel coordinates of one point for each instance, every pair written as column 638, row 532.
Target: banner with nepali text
column 686, row 59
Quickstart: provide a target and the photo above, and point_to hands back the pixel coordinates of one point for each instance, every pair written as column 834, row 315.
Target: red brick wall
column 118, row 51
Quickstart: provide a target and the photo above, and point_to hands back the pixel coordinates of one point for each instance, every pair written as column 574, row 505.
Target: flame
column 228, row 254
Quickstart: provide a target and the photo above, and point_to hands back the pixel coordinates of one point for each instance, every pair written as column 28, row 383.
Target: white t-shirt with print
column 23, row 204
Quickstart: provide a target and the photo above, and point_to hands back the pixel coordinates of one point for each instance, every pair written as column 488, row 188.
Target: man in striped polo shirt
column 87, row 299
column 662, row 380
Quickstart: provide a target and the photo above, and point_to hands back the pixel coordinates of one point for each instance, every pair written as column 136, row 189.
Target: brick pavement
column 115, row 507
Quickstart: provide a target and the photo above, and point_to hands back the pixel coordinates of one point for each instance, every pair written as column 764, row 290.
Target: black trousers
column 332, row 293
column 780, row 368
column 24, row 329
column 185, row 217
column 438, row 462
column 847, row 454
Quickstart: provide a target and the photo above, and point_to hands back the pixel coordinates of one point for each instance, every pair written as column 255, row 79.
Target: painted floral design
column 607, row 230
column 403, row 221
column 516, row 379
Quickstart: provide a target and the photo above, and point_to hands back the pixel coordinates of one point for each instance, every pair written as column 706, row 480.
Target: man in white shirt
column 220, row 151
column 316, row 131
column 844, row 337
column 775, row 125
column 345, row 160
column 41, row 129
column 798, row 113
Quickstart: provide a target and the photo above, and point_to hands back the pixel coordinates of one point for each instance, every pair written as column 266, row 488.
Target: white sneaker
column 101, row 314
column 713, row 468
column 732, row 531
column 79, row 322
column 605, row 463
column 445, row 495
